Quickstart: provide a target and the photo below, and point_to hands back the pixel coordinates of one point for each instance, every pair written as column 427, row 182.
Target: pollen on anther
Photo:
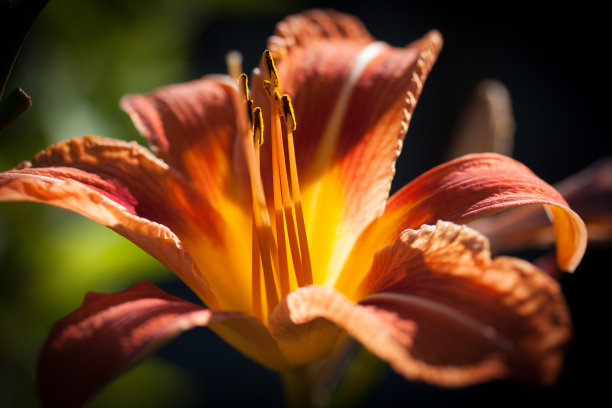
column 269, row 88
column 249, row 110
column 258, row 126
column 268, row 64
column 243, row 86
column 288, row 112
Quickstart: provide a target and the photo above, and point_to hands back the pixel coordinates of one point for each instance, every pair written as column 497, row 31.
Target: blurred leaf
column 173, row 387
column 73, row 256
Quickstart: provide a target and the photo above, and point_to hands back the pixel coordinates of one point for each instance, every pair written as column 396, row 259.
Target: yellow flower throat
column 270, row 256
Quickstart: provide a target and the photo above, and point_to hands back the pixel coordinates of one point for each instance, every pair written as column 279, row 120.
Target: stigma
column 280, row 253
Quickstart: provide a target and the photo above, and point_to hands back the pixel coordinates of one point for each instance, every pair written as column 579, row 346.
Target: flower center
column 281, row 225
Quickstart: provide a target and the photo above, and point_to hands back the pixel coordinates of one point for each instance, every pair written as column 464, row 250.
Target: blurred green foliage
column 76, row 63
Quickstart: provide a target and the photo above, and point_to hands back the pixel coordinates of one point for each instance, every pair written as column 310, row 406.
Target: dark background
column 552, row 60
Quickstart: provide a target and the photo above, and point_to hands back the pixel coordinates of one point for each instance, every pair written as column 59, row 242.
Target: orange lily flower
column 276, row 214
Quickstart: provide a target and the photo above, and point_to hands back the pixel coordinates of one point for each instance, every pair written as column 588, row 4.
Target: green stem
column 298, row 388
column 363, row 372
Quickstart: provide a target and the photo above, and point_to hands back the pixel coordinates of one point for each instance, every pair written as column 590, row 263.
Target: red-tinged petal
column 589, row 193
column 353, row 100
column 475, row 186
column 117, row 184
column 470, row 309
column 460, row 191
column 192, row 126
column 110, row 333
column 107, row 335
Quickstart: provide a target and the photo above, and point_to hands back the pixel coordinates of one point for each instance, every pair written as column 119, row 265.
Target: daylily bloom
column 276, row 214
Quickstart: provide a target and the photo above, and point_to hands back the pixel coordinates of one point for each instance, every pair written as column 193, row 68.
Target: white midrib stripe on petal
column 332, row 130
column 328, row 145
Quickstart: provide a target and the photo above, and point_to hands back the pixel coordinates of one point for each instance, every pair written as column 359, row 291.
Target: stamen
column 269, row 88
column 256, row 275
column 270, row 254
column 286, row 196
column 262, row 226
column 257, row 129
column 288, row 113
column 278, row 206
column 268, row 64
column 267, row 245
column 243, row 86
column 297, row 240
column 243, row 89
column 290, row 123
column 250, row 110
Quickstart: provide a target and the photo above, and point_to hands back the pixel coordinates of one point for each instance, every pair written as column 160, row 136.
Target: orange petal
column 192, row 127
column 353, row 100
column 476, row 186
column 315, row 317
column 589, row 193
column 470, row 310
column 117, row 184
column 460, row 191
column 110, row 333
column 302, row 337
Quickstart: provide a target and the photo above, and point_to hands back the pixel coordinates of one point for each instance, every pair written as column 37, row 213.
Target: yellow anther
column 278, row 102
column 258, row 126
column 288, row 113
column 269, row 88
column 243, row 86
column 268, row 64
column 250, row 111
